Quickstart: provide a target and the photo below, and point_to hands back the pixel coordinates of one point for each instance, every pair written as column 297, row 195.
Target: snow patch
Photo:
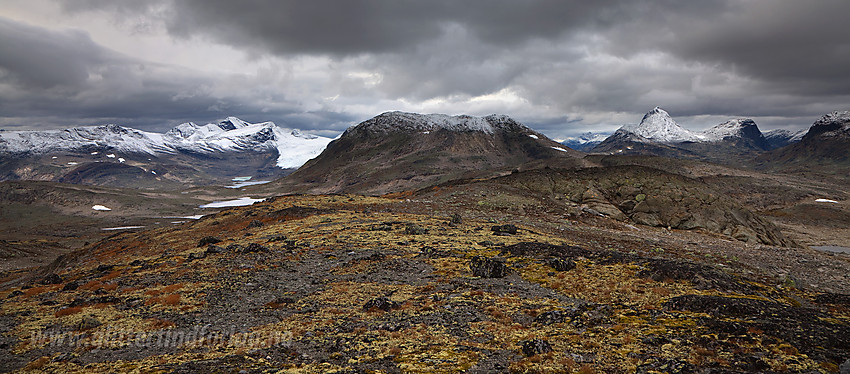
column 110, row 155
column 100, row 208
column 121, row 228
column 533, row 136
column 826, row 201
column 560, row 149
column 121, row 159
column 242, row 201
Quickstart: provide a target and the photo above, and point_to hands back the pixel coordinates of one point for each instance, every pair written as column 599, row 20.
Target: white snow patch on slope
column 242, row 201
column 121, row 228
column 533, row 136
column 560, row 149
column 826, row 201
column 100, row 208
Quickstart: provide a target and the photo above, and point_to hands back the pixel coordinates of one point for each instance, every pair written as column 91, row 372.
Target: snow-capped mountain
column 414, row 122
column 658, row 126
column 835, row 124
column 743, row 131
column 398, row 151
column 585, row 141
column 824, row 147
column 293, row 147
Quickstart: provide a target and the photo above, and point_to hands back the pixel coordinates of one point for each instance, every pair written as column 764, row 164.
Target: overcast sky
column 561, row 67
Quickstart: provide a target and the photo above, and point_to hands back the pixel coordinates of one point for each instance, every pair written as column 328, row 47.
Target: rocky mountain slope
column 825, row 146
column 398, row 151
column 118, row 156
column 450, row 280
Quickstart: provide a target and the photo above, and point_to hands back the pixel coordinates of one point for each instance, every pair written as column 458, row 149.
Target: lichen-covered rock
column 414, row 229
column 88, row 323
column 503, row 230
column 254, row 247
column 381, row 303
column 53, row 278
column 535, row 347
column 551, row 317
column 208, row 240
column 488, row 267
column 562, row 264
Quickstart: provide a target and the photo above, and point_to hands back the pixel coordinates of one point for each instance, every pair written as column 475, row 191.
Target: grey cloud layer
column 577, row 65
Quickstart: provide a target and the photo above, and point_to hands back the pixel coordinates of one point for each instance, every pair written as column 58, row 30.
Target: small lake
column 832, row 248
column 246, row 184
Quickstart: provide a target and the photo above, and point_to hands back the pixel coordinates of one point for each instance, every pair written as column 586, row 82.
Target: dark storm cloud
column 32, row 56
column 797, row 47
column 790, row 45
column 578, row 63
column 372, row 26
column 54, row 79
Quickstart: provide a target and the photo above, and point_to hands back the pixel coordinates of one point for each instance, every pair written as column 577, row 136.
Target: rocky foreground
column 364, row 284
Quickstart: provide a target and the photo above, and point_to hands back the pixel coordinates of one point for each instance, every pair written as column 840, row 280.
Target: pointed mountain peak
column 232, row 123
column 657, row 125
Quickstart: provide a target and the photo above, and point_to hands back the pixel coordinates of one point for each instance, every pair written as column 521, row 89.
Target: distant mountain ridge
column 659, row 134
column 230, row 135
column 585, row 141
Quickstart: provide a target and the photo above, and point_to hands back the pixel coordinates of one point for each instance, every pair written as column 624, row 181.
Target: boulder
column 381, row 303
column 488, row 267
column 504, row 230
column 535, row 347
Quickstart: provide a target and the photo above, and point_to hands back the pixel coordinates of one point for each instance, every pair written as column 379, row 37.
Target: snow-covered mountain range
column 293, row 147
column 585, row 141
column 658, row 126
